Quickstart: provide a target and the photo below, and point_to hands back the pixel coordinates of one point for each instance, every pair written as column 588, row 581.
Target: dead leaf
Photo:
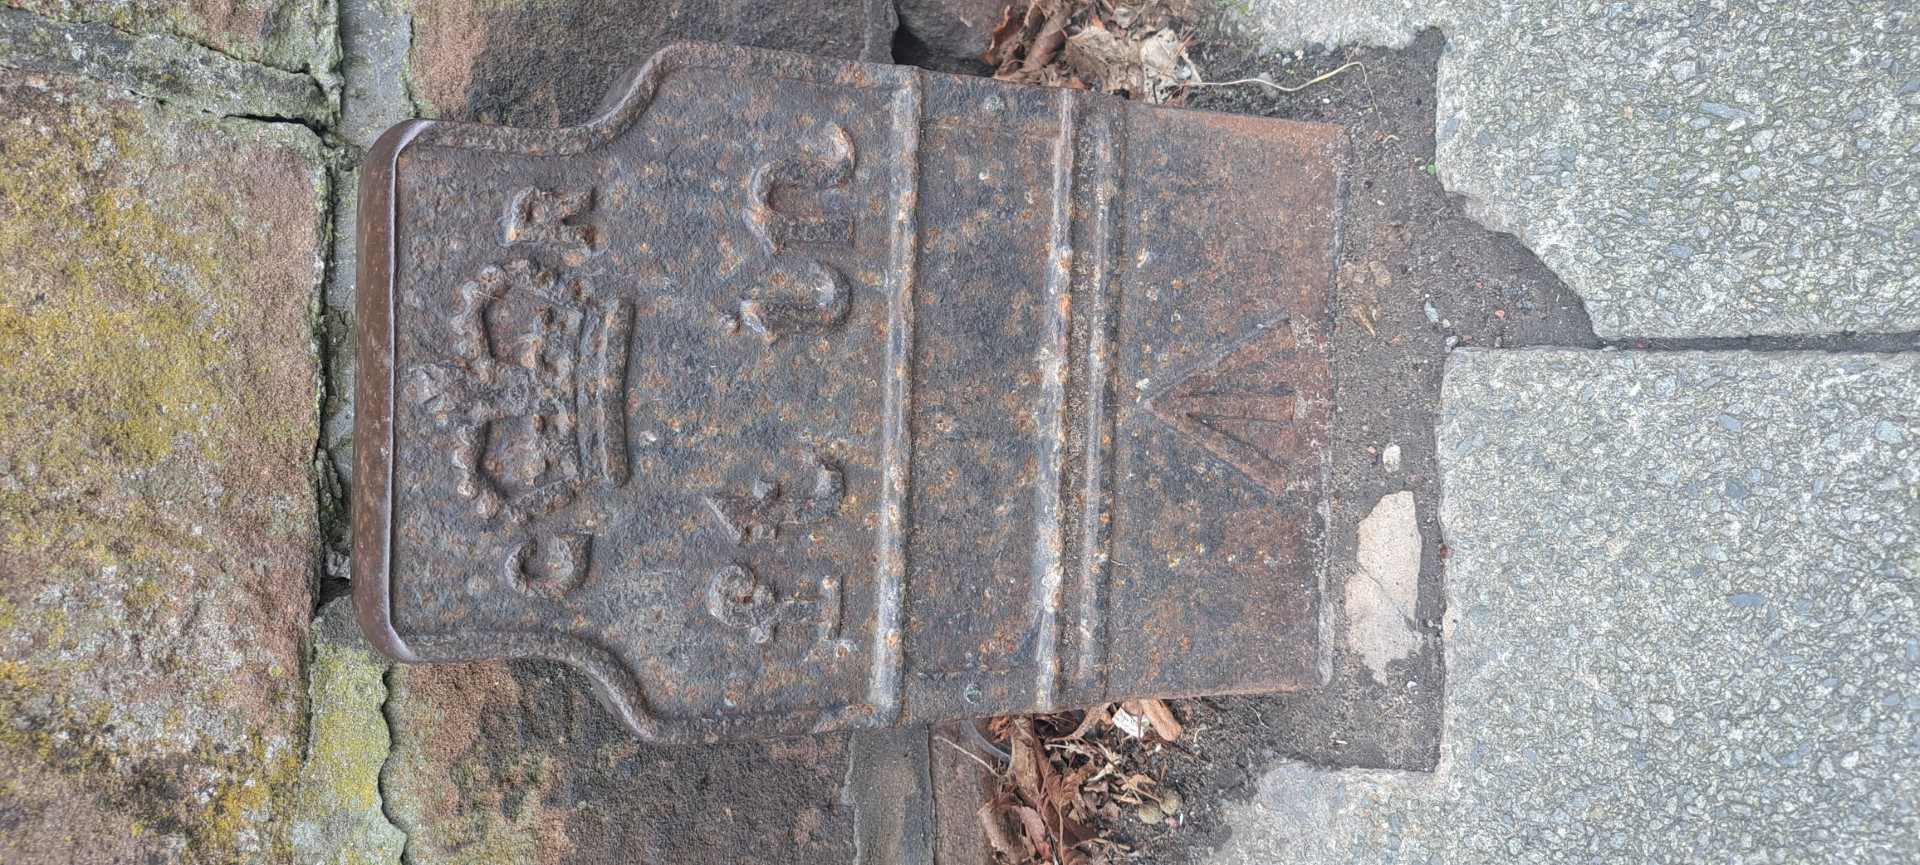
column 1052, row 36
column 1070, row 776
column 1002, row 42
column 1164, row 724
column 1098, row 54
column 1094, row 718
column 1036, row 830
column 1026, row 760
column 1137, row 784
column 995, row 828
column 1161, row 57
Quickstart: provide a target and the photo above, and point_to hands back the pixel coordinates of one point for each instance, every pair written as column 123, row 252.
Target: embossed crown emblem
column 535, row 402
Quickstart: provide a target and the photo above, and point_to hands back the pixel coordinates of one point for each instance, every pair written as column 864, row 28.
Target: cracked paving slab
column 1684, row 622
column 1693, row 170
column 161, row 67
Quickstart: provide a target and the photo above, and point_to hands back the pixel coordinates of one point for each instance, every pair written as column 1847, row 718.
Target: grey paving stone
column 1692, row 170
column 1684, row 622
column 294, row 35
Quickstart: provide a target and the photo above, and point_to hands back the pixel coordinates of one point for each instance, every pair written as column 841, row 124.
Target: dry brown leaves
column 1068, row 774
column 1133, row 48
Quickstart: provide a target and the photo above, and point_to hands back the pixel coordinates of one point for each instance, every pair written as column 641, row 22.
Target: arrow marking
column 1243, row 407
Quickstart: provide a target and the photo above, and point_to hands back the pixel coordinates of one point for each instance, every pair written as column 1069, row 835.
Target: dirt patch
column 517, row 761
column 1418, row 278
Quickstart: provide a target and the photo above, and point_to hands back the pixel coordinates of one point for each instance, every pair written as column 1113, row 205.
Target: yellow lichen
column 109, row 348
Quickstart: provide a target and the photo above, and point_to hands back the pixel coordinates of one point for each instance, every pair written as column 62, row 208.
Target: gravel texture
column 1684, row 622
column 1692, row 170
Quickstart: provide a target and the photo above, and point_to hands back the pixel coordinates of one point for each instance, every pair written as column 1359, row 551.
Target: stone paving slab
column 293, row 35
column 1692, row 170
column 1684, row 622
column 162, row 67
column 157, row 511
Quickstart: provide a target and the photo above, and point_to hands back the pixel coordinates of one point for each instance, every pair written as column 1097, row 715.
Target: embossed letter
column 553, row 566
column 775, row 181
column 556, row 219
column 758, row 515
column 739, row 600
column 791, row 304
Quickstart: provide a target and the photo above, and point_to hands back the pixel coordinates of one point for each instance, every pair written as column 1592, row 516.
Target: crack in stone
column 164, row 68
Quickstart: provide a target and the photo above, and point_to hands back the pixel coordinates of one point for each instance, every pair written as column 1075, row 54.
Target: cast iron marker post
column 791, row 395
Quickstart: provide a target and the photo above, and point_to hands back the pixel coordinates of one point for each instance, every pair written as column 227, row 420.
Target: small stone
column 958, row 28
column 1390, row 458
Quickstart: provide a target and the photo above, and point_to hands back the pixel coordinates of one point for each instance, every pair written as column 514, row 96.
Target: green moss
column 349, row 739
column 120, row 308
column 61, row 735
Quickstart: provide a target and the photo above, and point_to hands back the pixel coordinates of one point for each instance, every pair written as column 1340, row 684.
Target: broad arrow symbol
column 1243, row 407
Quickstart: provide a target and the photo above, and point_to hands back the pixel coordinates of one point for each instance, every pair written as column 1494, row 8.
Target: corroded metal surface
column 793, row 394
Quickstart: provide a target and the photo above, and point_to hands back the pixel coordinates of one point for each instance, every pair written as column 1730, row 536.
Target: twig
column 983, row 743
column 1281, row 87
column 970, row 755
column 1153, row 91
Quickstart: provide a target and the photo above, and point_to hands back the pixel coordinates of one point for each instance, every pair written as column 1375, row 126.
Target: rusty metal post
column 793, row 395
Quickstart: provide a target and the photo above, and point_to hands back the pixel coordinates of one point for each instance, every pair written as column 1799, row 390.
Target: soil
column 1418, row 278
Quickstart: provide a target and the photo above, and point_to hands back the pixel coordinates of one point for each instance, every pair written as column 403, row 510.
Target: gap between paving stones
column 1665, row 553
column 133, row 152
column 1222, row 67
